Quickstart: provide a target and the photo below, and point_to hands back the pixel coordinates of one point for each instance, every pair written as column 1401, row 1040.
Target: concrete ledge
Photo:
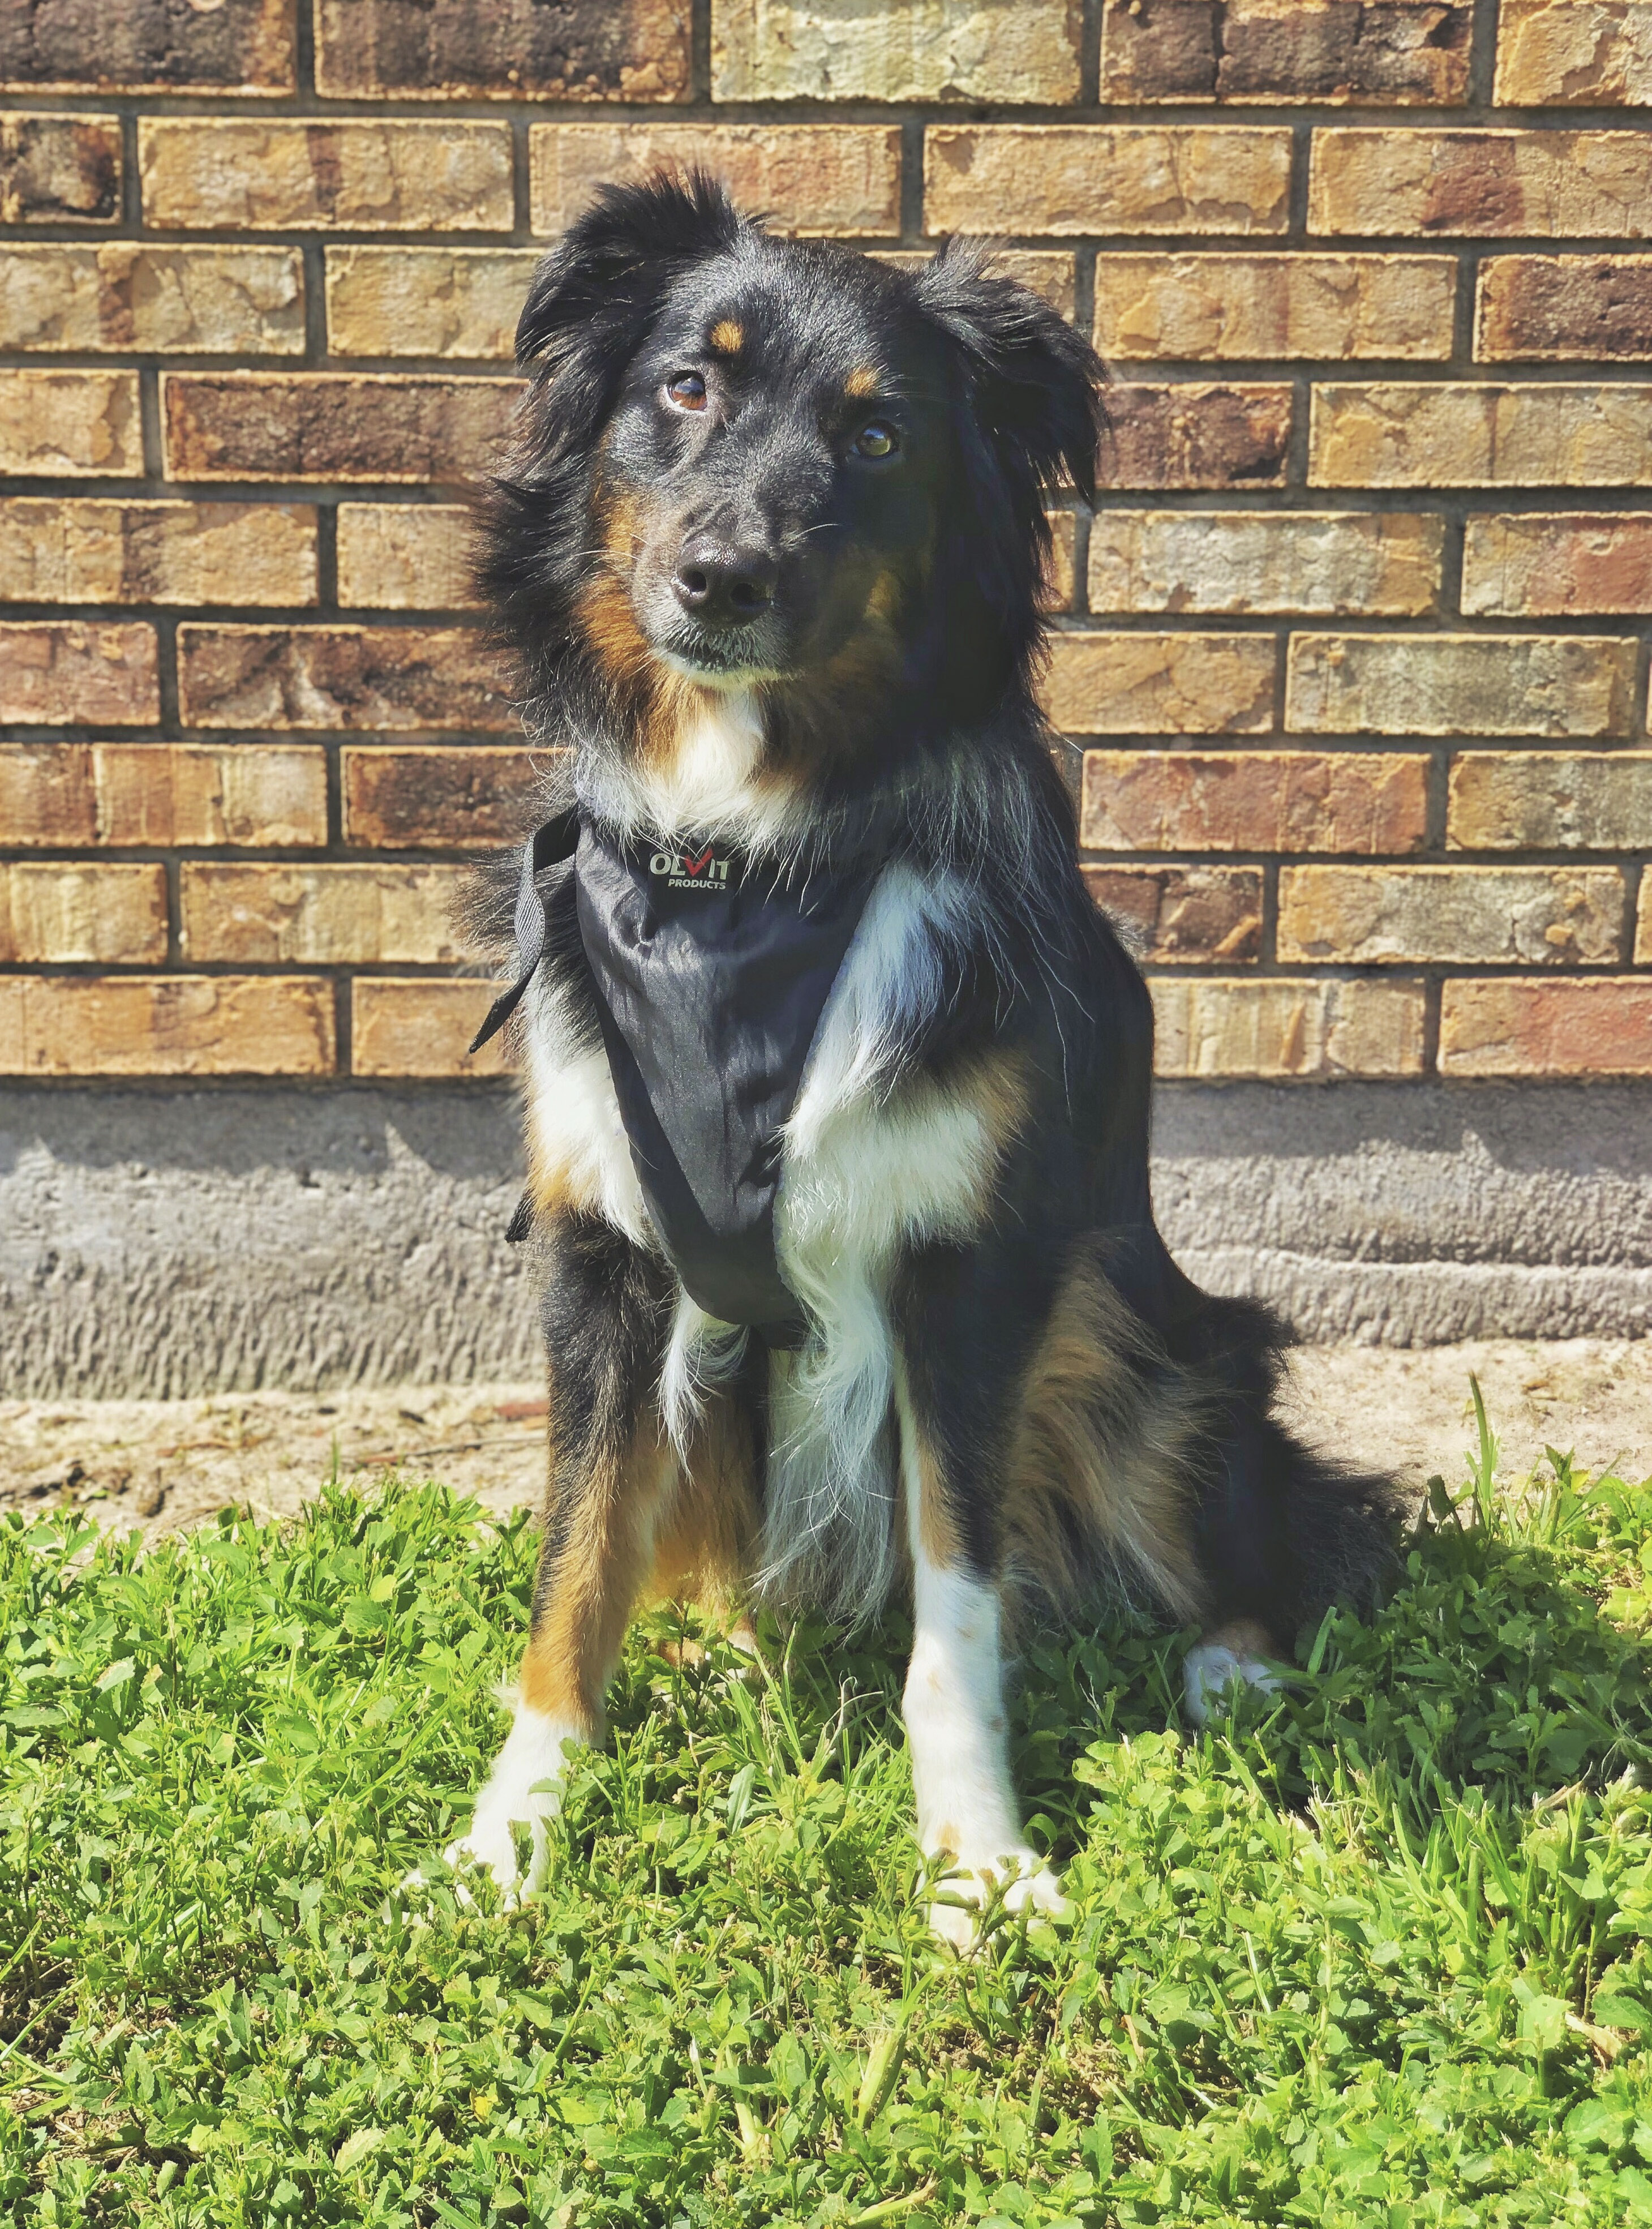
column 158, row 1242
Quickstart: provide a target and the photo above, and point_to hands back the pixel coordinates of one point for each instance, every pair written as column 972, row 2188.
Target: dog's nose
column 721, row 584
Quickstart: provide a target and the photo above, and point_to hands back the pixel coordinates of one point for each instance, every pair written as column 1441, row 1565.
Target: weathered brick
column 506, row 50
column 1574, row 53
column 1553, row 308
column 1089, row 178
column 209, row 301
column 46, row 793
column 1471, row 434
column 473, row 795
column 811, row 178
column 1371, row 801
column 1188, row 914
column 407, row 1027
column 332, row 425
column 190, row 794
column 1190, row 435
column 412, row 557
column 1160, row 684
column 1308, row 561
column 374, row 174
column 427, row 301
column 994, row 50
column 1378, row 916
column 78, row 424
column 84, row 550
column 54, row 672
column 339, row 677
column 55, row 169
column 147, row 46
column 1533, row 564
column 1194, row 308
column 1394, row 51
column 1551, row 801
column 1643, row 923
column 166, row 1025
column 320, row 915
column 65, row 910
column 1460, row 685
column 1061, row 581
column 1314, row 1029
column 1050, row 272
column 1521, row 1027
column 1482, row 184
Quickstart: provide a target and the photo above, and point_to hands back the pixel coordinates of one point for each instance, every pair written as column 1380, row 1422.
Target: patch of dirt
column 156, row 1465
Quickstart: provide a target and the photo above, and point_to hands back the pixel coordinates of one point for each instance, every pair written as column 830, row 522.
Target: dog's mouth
column 728, row 658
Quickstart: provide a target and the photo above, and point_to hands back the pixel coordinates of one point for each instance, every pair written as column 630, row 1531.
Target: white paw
column 524, row 1788
column 1210, row 1669
column 964, row 1892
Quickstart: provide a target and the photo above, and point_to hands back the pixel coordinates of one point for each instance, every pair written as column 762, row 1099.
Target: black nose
column 722, row 583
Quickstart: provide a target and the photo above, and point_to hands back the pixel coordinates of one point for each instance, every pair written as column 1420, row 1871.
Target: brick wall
column 1350, row 662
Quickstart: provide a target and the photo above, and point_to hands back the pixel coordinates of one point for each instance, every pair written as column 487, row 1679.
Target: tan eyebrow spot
column 727, row 336
column 861, row 382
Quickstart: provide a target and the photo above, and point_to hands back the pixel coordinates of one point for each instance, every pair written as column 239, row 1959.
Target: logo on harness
column 690, row 871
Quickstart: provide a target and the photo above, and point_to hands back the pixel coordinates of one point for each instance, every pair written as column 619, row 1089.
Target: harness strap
column 550, row 846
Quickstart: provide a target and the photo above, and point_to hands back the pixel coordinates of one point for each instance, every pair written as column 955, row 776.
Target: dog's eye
column 686, row 389
column 878, row 440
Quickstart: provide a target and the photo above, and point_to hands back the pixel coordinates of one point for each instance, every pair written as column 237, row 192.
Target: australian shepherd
column 851, row 1285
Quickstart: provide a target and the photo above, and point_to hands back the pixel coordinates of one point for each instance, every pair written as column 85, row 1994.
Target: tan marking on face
column 861, row 384
column 727, row 336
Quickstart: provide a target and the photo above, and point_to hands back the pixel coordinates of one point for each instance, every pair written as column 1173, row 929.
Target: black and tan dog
column 837, row 1083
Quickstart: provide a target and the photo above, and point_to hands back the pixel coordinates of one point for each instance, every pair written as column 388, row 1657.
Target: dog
column 836, row 1080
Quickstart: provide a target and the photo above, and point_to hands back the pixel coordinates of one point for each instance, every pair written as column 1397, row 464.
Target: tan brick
column 1061, row 579
column 1551, row 801
column 340, row 678
column 811, row 178
column 1371, row 801
column 210, row 301
column 243, row 174
column 319, row 916
column 57, row 671
column 46, row 793
column 75, row 424
column 1533, row 564
column 82, row 550
column 1313, row 1029
column 505, row 50
column 405, row 557
column 147, row 46
column 1050, row 274
column 344, row 426
column 1190, row 435
column 186, row 794
column 166, row 1025
column 1519, row 1027
column 1188, row 914
column 1194, row 308
column 1574, row 53
column 996, row 50
column 1379, row 916
column 1460, row 685
column 427, row 301
column 1471, row 434
column 1160, row 684
column 1089, row 178
column 1308, row 561
column 408, row 1027
column 1286, row 50
column 58, row 169
column 62, row 910
column 1480, row 184
column 1552, row 308
column 430, row 794
column 1643, row 923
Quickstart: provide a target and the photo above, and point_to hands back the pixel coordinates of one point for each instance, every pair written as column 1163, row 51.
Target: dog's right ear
column 593, row 296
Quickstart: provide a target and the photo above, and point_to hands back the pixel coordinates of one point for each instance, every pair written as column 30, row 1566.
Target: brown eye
column 686, row 389
column 878, row 440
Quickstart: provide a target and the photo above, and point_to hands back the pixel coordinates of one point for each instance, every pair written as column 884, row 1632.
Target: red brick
column 1189, row 914
column 322, row 915
column 1191, row 435
column 1516, row 1026
column 503, row 50
column 57, row 910
column 340, row 425
column 1162, row 684
column 1554, row 309
column 339, row 677
column 54, row 672
column 166, row 1025
column 1395, row 51
column 1087, row 179
column 1367, row 801
column 1535, row 564
column 810, row 177
column 473, row 797
column 406, row 1027
column 56, row 170
column 147, row 46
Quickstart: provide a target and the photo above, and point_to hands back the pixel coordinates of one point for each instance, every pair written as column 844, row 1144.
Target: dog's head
column 782, row 467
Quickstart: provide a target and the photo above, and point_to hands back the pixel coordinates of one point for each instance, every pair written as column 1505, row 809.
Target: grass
column 1375, row 1951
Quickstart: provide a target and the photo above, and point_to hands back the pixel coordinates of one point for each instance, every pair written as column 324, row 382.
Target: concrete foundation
column 161, row 1241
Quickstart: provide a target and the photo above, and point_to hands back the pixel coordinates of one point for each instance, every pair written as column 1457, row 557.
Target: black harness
column 711, row 971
